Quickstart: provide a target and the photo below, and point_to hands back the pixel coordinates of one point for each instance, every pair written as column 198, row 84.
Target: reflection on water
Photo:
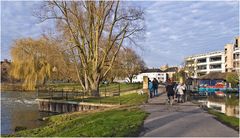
column 19, row 109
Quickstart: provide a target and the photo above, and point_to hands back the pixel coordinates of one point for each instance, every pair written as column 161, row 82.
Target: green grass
column 228, row 120
column 120, row 122
column 102, row 88
column 129, row 99
column 116, row 122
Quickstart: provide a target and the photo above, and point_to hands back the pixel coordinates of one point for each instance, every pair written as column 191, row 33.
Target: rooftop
column 151, row 70
column 205, row 54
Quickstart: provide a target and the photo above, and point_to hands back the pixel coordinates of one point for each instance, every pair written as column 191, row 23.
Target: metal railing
column 80, row 95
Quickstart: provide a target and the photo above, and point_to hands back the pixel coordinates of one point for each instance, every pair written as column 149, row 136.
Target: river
column 19, row 109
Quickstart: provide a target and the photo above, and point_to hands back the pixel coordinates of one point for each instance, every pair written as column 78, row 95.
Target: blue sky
column 174, row 29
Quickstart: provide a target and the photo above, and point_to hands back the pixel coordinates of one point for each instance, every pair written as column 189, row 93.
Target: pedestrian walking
column 180, row 89
column 170, row 92
column 150, row 88
column 155, row 87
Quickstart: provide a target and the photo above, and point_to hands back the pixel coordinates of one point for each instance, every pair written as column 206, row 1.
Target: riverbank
column 19, row 109
column 230, row 121
column 11, row 87
column 125, row 120
column 115, row 122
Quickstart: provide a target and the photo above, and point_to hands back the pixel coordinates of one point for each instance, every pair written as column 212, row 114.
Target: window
column 215, row 66
column 202, row 67
column 236, row 56
column 201, row 74
column 203, row 60
column 217, row 58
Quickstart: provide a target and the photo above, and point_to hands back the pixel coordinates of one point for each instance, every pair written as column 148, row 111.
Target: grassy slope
column 228, row 120
column 125, row 121
column 117, row 122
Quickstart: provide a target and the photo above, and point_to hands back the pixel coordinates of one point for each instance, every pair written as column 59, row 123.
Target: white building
column 227, row 60
column 151, row 74
column 204, row 63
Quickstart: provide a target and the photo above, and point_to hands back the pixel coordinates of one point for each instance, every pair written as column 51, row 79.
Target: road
column 181, row 120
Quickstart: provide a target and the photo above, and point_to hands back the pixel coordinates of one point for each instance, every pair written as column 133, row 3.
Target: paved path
column 181, row 120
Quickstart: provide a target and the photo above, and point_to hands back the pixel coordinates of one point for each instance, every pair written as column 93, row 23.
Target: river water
column 19, row 109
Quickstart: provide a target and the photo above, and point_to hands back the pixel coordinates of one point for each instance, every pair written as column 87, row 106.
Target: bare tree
column 132, row 63
column 93, row 30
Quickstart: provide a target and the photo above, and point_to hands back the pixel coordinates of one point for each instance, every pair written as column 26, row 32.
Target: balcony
column 202, row 67
column 204, row 60
column 215, row 59
column 215, row 66
column 236, row 56
column 201, row 73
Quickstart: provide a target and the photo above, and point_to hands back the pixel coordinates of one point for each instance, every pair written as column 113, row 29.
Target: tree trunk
column 130, row 78
column 95, row 89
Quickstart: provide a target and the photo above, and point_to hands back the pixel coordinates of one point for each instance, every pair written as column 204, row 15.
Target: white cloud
column 173, row 29
column 18, row 21
column 188, row 28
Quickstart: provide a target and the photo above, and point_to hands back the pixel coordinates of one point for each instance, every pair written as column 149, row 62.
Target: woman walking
column 150, row 88
column 180, row 89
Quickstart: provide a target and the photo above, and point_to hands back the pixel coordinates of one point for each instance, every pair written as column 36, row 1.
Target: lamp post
column 187, row 85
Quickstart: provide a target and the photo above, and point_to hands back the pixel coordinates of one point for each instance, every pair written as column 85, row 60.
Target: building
column 160, row 75
column 232, row 57
column 218, row 61
column 170, row 71
column 204, row 63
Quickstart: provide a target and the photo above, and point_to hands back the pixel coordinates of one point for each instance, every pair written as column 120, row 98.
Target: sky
column 174, row 29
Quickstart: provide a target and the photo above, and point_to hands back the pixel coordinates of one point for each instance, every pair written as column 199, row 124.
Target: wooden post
column 62, row 93
column 145, row 84
column 37, row 93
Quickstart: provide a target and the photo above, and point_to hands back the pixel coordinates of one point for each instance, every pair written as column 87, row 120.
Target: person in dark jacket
column 155, row 87
column 150, row 88
column 170, row 92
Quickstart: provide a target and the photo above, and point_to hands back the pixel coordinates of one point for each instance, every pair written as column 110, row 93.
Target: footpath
column 181, row 120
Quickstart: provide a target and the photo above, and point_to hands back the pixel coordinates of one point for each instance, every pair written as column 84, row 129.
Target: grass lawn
column 116, row 122
column 129, row 99
column 102, row 88
column 228, row 120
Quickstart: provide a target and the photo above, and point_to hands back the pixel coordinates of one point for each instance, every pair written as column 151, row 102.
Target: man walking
column 155, row 87
column 170, row 92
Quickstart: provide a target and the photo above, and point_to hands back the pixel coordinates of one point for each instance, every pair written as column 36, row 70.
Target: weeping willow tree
column 31, row 61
